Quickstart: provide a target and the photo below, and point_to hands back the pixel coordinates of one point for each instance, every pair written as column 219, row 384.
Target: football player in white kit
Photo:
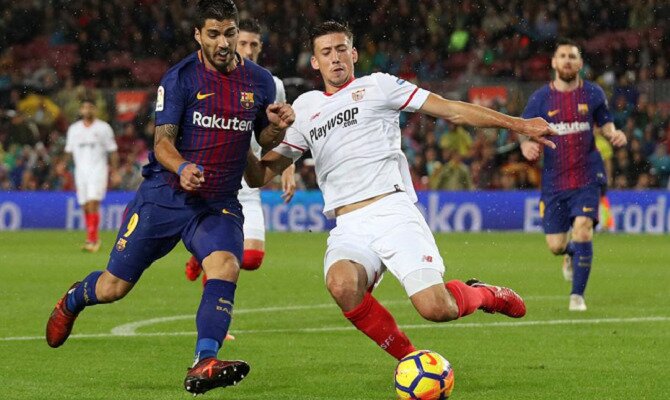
column 353, row 132
column 249, row 45
column 90, row 141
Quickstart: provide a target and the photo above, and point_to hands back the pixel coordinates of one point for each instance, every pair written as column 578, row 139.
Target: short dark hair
column 328, row 27
column 249, row 25
column 567, row 42
column 215, row 9
column 89, row 100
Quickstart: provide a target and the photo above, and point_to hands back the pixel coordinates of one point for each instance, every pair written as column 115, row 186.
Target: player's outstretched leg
column 61, row 320
column 193, row 269
column 505, row 300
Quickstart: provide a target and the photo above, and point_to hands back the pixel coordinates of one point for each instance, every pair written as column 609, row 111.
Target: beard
column 567, row 77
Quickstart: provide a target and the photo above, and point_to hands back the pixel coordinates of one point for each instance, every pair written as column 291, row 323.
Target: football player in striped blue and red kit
column 207, row 108
column 573, row 173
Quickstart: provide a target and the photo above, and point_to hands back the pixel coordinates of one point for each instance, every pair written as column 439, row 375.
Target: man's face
column 249, row 45
column 87, row 110
column 567, row 62
column 218, row 41
column 334, row 56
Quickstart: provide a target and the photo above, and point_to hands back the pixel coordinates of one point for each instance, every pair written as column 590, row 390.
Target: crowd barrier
column 633, row 211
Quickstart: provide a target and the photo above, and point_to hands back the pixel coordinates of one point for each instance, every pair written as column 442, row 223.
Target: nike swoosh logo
column 200, row 96
column 552, row 113
column 587, row 209
column 226, row 212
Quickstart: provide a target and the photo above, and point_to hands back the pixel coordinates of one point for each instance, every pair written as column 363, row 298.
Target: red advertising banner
column 128, row 103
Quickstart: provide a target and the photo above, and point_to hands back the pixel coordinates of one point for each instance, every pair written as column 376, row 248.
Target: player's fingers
column 545, row 142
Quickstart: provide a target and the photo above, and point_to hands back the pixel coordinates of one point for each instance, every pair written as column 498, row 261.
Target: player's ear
column 314, row 62
column 354, row 55
column 196, row 35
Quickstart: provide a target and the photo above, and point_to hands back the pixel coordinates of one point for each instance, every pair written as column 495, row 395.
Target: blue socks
column 84, row 294
column 214, row 316
column 581, row 265
column 570, row 249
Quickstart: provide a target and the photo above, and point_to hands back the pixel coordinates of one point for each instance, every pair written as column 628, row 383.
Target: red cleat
column 211, row 373
column 193, row 269
column 507, row 301
column 61, row 321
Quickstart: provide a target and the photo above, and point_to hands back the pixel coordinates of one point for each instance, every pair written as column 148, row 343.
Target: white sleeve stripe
column 411, row 96
column 294, row 146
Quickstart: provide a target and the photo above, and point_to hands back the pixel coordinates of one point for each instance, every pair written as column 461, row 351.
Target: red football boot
column 211, row 373
column 61, row 321
column 507, row 301
column 193, row 269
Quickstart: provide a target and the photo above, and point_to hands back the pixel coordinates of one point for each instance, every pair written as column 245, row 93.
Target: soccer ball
column 424, row 375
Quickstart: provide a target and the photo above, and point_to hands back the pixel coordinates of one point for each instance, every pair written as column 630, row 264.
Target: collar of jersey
column 353, row 78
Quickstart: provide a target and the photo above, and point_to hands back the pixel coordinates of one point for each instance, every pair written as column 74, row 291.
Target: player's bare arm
column 190, row 178
column 281, row 116
column 288, row 183
column 260, row 172
column 460, row 112
column 615, row 136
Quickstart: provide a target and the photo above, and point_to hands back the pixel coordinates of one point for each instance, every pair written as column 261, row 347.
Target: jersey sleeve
column 69, row 141
column 267, row 97
column 532, row 109
column 293, row 145
column 110, row 142
column 601, row 110
column 170, row 100
column 281, row 92
column 400, row 94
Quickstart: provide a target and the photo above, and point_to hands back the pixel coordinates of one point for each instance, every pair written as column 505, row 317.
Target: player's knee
column 435, row 305
column 582, row 231
column 556, row 248
column 221, row 265
column 252, row 259
column 439, row 312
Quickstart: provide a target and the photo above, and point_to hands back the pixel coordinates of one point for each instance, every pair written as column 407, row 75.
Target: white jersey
column 89, row 146
column 354, row 135
column 246, row 191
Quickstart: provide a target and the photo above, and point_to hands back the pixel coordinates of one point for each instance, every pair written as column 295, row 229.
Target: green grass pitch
column 300, row 346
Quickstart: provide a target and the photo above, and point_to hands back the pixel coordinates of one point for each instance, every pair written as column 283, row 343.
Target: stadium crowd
column 54, row 53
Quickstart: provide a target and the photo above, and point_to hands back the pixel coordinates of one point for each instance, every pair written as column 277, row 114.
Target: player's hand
column 280, row 115
column 536, row 129
column 192, row 177
column 288, row 184
column 530, row 150
column 618, row 138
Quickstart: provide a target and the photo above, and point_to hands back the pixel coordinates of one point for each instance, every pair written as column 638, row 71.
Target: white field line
column 130, row 329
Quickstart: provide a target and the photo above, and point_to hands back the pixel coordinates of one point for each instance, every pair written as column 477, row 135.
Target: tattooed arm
column 191, row 178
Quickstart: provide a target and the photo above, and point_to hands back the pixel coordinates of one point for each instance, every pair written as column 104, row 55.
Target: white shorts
column 254, row 222
column 388, row 234
column 90, row 187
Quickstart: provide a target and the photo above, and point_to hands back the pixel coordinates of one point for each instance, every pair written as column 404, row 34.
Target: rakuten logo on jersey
column 213, row 121
column 568, row 128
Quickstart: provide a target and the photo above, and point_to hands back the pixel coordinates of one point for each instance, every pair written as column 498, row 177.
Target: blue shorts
column 558, row 210
column 159, row 216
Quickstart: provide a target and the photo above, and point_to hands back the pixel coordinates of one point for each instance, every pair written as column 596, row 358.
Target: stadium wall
column 633, row 211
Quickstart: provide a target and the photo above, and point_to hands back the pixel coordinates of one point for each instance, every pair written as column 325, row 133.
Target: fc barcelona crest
column 583, row 108
column 358, row 95
column 121, row 244
column 247, row 100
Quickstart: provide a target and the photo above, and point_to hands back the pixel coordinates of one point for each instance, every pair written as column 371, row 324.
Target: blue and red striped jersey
column 216, row 113
column 576, row 161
